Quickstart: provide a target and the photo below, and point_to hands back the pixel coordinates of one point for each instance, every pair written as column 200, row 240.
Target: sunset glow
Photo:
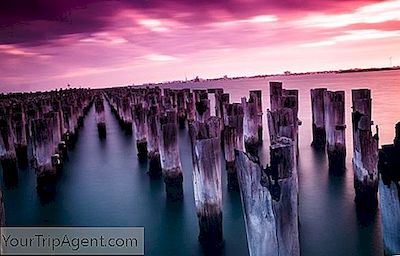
column 104, row 43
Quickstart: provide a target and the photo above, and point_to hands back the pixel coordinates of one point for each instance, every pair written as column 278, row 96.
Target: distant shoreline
column 225, row 78
column 341, row 71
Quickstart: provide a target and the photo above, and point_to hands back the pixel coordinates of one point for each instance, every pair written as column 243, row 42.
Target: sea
column 104, row 184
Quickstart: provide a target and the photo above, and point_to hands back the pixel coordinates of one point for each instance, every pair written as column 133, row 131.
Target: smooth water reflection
column 103, row 184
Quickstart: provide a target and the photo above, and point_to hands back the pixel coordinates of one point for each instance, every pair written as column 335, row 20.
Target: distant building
column 287, row 73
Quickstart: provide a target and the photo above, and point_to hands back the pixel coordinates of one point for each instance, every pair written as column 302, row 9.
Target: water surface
column 103, row 184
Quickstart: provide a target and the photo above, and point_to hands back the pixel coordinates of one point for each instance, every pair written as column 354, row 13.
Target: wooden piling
column 180, row 94
column 389, row 194
column 100, row 116
column 283, row 118
column 139, row 118
column 233, row 139
column 45, row 161
column 126, row 114
column 18, row 123
column 190, row 107
column 8, row 157
column 169, row 154
column 335, row 127
column 270, row 200
column 256, row 96
column 284, row 190
column 205, row 139
column 259, row 217
column 365, row 150
column 203, row 110
column 318, row 118
column 153, row 119
column 250, row 125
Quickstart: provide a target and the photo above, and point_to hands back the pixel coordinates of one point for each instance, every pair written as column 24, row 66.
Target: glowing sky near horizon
column 47, row 44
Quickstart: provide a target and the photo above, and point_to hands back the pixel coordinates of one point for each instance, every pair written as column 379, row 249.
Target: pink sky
column 47, row 44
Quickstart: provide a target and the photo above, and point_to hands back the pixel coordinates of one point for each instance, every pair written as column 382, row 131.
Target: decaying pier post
column 139, row 117
column 284, row 190
column 205, row 139
column 318, row 118
column 190, row 107
column 126, row 114
column 233, row 139
column 18, row 123
column 62, row 144
column 180, row 94
column 365, row 150
column 250, row 125
column 45, row 161
column 203, row 110
column 8, row 155
column 169, row 154
column 335, row 128
column 275, row 91
column 100, row 116
column 283, row 117
column 259, row 217
column 270, row 200
column 69, row 124
column 256, row 95
column 389, row 194
column 153, row 119
column 218, row 92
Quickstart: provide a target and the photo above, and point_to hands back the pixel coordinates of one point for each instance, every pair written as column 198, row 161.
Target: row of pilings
column 48, row 122
column 155, row 116
column 328, row 115
column 37, row 129
column 374, row 169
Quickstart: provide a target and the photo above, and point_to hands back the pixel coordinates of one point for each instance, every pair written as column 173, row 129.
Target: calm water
column 103, row 184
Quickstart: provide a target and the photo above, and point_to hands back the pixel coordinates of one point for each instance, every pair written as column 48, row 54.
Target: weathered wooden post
column 275, row 91
column 389, row 194
column 190, row 107
column 218, row 92
column 335, row 127
column 318, row 118
column 18, row 123
column 284, row 190
column 8, row 155
column 170, row 157
column 270, row 200
column 225, row 97
column 259, row 217
column 126, row 114
column 62, row 146
column 45, row 161
column 100, row 116
column 69, row 133
column 233, row 139
column 365, row 150
column 139, row 117
column 153, row 119
column 54, row 122
column 181, row 108
column 205, row 139
column 250, row 125
column 256, row 96
column 203, row 110
column 283, row 117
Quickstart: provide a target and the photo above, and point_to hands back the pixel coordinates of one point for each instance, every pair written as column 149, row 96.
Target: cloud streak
column 97, row 42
